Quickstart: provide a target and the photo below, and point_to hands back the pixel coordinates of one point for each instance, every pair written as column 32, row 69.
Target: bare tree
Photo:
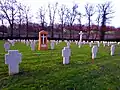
column 62, row 15
column 98, row 19
column 52, row 12
column 106, row 12
column 9, row 9
column 20, row 16
column 89, row 8
column 1, row 18
column 41, row 16
column 71, row 16
column 27, row 17
column 79, row 20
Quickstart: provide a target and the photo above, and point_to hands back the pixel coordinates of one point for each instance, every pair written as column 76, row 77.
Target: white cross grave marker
column 66, row 53
column 90, row 44
column 57, row 42
column 13, row 42
column 52, row 44
column 32, row 45
column 80, row 44
column 43, row 38
column 27, row 43
column 7, row 46
column 81, row 33
column 13, row 58
column 94, row 51
column 112, row 50
column 98, row 44
column 68, row 44
column 108, row 43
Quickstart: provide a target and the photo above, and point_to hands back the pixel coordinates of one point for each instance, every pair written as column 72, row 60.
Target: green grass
column 43, row 70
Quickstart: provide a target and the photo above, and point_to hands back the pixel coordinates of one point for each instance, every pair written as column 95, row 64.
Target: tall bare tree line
column 15, row 12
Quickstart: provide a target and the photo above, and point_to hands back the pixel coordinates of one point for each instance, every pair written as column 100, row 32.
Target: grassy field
column 43, row 70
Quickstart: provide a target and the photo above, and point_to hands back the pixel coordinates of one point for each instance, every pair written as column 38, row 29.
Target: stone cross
column 32, row 45
column 80, row 44
column 112, row 50
column 66, row 53
column 68, row 44
column 56, row 42
column 98, row 44
column 76, row 42
column 81, row 33
column 118, row 43
column 52, row 44
column 94, row 51
column 108, row 43
column 90, row 44
column 27, row 43
column 13, row 42
column 43, row 38
column 13, row 58
column 7, row 46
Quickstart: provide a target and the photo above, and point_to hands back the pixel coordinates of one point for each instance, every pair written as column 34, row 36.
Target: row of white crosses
column 95, row 50
column 13, row 58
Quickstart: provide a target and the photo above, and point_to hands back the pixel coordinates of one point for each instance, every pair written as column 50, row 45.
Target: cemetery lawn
column 43, row 70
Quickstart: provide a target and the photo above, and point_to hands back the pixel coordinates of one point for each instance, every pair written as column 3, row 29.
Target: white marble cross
column 81, row 33
column 13, row 58
column 98, row 44
column 66, row 53
column 108, row 43
column 68, row 44
column 7, row 46
column 118, row 43
column 32, row 45
column 27, row 42
column 80, row 44
column 52, row 44
column 94, row 51
column 43, row 38
column 90, row 44
column 13, row 42
column 56, row 42
column 112, row 50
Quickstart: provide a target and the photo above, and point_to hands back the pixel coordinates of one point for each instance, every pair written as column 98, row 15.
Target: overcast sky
column 35, row 4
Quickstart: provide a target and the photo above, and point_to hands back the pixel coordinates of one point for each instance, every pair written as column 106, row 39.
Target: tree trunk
column 52, row 33
column 89, row 29
column 19, row 29
column 62, row 31
column 70, row 31
column 3, row 34
column 43, row 26
column 11, row 27
column 102, row 32
column 27, row 29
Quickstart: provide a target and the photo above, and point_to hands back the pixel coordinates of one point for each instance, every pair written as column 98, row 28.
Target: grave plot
column 45, row 70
